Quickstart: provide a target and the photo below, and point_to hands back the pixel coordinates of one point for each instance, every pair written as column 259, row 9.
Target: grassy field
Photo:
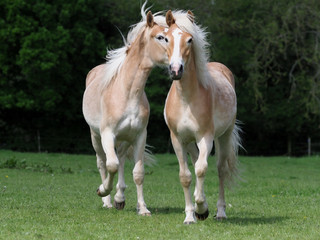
column 52, row 196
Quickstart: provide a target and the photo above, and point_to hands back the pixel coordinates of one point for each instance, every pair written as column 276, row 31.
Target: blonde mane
column 200, row 44
column 115, row 58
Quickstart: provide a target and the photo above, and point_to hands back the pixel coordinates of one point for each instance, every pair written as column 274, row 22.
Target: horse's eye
column 160, row 37
column 190, row 41
column 166, row 39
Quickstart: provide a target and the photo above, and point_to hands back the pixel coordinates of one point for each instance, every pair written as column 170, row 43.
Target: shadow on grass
column 254, row 220
column 241, row 221
column 166, row 210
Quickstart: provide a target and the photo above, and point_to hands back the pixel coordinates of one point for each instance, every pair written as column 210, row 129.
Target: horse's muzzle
column 176, row 71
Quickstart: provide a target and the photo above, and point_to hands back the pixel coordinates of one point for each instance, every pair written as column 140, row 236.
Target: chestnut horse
column 200, row 108
column 116, row 108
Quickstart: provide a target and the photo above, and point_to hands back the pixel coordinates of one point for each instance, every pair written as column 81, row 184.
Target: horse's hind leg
column 101, row 164
column 193, row 152
column 225, row 156
column 138, row 172
column 119, row 198
column 201, row 166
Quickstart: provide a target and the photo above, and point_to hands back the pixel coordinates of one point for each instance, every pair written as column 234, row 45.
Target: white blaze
column 176, row 58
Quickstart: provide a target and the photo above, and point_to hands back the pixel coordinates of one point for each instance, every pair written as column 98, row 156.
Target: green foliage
column 279, row 199
column 272, row 47
column 48, row 47
column 9, row 163
column 14, row 163
column 45, row 45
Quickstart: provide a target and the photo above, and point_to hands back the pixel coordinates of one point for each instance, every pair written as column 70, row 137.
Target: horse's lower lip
column 176, row 77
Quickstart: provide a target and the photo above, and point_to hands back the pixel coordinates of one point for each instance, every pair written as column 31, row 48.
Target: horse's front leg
column 185, row 178
column 112, row 163
column 138, row 172
column 201, row 166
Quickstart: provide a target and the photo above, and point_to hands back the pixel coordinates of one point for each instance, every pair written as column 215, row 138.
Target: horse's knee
column 201, row 169
column 112, row 167
column 185, row 178
column 138, row 177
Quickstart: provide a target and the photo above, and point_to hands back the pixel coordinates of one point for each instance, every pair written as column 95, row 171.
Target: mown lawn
column 52, row 196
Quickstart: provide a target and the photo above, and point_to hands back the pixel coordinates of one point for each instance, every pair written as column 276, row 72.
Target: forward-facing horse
column 116, row 108
column 200, row 108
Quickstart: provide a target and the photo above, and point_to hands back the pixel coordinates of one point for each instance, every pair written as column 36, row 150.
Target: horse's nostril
column 181, row 68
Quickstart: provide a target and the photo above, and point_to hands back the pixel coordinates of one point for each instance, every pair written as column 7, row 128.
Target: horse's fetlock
column 199, row 199
column 121, row 186
column 221, row 204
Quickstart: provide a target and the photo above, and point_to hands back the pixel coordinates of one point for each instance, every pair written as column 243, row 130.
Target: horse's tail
column 149, row 158
column 227, row 148
column 236, row 144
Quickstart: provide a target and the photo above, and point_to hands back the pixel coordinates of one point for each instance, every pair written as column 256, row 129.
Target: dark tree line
column 47, row 48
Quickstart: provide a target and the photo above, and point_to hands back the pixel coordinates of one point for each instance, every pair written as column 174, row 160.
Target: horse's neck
column 134, row 73
column 188, row 86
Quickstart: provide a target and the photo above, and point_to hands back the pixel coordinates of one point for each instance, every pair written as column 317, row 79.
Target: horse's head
column 156, row 41
column 179, row 46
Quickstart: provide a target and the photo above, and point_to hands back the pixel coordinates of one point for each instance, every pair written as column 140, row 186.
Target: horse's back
column 225, row 71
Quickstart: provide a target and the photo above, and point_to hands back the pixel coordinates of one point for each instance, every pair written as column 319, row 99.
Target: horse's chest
column 130, row 122
column 130, row 125
column 187, row 126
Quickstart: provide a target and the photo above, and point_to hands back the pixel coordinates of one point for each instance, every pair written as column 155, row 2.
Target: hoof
column 119, row 205
column 220, row 218
column 202, row 216
column 143, row 212
column 98, row 192
column 147, row 214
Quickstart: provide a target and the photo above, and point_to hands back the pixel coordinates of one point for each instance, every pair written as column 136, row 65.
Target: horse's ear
column 150, row 21
column 169, row 18
column 190, row 16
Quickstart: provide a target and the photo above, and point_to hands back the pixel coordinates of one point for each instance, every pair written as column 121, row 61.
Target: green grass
column 52, row 196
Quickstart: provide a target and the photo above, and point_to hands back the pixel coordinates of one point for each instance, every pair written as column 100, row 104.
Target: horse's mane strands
column 115, row 58
column 200, row 44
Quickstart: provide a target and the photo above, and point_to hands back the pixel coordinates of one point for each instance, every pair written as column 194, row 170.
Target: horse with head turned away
column 116, row 108
column 200, row 109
